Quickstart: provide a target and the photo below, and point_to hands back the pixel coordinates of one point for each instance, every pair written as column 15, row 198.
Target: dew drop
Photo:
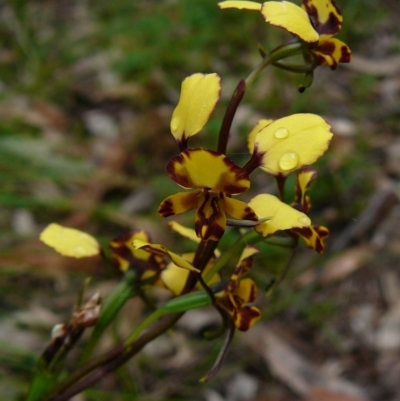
column 175, row 123
column 304, row 220
column 281, row 133
column 289, row 161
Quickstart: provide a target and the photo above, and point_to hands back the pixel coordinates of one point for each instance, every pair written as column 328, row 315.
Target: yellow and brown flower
column 240, row 292
column 213, row 178
column 314, row 23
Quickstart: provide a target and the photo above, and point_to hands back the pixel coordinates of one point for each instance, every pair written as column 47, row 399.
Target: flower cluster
column 212, row 183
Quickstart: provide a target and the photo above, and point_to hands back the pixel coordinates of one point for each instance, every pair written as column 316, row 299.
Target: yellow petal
column 253, row 133
column 242, row 5
column 69, row 241
column 178, row 203
column 158, row 249
column 282, row 216
column 184, row 231
column 303, row 180
column 324, row 15
column 331, row 52
column 242, row 267
column 238, row 209
column 247, row 252
column 290, row 17
column 199, row 95
column 292, row 142
column 175, row 278
column 246, row 290
column 203, row 168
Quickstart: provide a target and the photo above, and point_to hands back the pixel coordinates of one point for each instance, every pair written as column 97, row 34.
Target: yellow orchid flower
column 240, row 292
column 315, row 23
column 213, row 178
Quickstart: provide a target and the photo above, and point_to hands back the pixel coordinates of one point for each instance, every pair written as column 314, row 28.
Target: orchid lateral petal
column 69, row 241
column 242, row 267
column 241, row 5
column 331, row 52
column 183, row 231
column 178, row 203
column 248, row 252
column 203, row 168
column 253, row 133
column 246, row 317
column 158, row 249
column 292, row 142
column 238, row 209
column 324, row 15
column 199, row 95
column 290, row 17
column 283, row 217
column 313, row 236
column 303, row 180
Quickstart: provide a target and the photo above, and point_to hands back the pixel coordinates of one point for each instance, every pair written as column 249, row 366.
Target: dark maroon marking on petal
column 331, row 27
column 184, row 181
column 166, row 208
column 247, row 315
column 250, row 214
column 240, row 175
column 213, row 228
column 345, row 55
column 255, row 160
column 297, row 203
column 326, row 48
column 253, row 294
column 322, row 234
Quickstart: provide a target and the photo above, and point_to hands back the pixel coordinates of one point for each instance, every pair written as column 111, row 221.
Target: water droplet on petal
column 304, row 220
column 289, row 161
column 281, row 133
column 175, row 123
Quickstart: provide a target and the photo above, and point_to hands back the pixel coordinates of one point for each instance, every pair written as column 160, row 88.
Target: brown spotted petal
column 202, row 168
column 244, row 316
column 178, row 203
column 313, row 236
column 243, row 267
column 238, row 210
column 123, row 253
column 331, row 52
column 240, row 292
column 324, row 15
